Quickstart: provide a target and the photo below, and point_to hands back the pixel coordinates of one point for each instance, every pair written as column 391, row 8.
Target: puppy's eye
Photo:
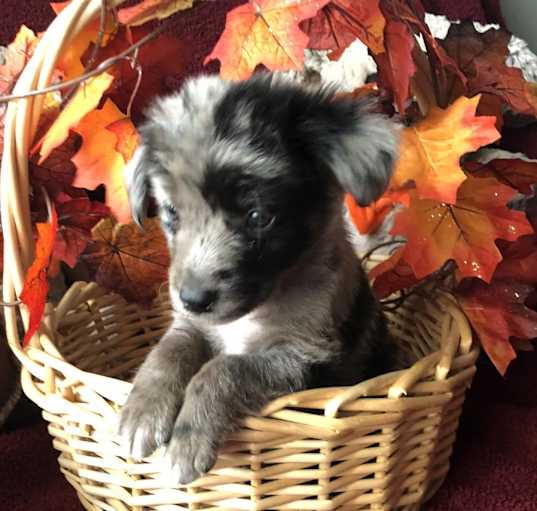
column 258, row 219
column 169, row 216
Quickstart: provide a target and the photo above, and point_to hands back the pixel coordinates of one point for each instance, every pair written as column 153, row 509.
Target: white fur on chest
column 240, row 336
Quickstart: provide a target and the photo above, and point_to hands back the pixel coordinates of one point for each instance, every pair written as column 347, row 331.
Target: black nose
column 195, row 297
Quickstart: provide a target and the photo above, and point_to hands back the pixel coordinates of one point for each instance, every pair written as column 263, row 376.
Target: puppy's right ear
column 136, row 178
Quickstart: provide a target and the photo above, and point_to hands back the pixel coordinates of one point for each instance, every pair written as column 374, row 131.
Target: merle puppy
column 268, row 294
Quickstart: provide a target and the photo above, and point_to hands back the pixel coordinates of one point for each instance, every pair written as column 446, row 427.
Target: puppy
column 267, row 292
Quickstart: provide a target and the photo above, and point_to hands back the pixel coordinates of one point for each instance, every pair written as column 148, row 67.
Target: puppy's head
column 248, row 177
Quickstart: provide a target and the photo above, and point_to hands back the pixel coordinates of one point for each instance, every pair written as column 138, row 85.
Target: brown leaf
column 481, row 57
column 127, row 260
column 341, row 22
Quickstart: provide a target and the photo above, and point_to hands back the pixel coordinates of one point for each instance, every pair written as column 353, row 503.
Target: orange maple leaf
column 127, row 137
column 151, row 9
column 465, row 231
column 430, row 150
column 368, row 219
column 98, row 162
column 70, row 62
column 85, row 100
column 35, row 288
column 264, row 32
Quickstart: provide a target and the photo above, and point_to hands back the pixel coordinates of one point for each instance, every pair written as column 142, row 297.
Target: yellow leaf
column 85, row 100
column 151, row 9
column 431, row 149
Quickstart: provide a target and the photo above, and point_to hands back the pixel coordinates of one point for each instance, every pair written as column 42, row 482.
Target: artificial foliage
column 452, row 222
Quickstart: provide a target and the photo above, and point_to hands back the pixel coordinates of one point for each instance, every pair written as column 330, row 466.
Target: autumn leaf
column 431, row 149
column 392, row 275
column 148, row 10
column 127, row 137
column 35, row 288
column 518, row 174
column 15, row 57
column 70, row 61
column 98, row 162
column 161, row 63
column 76, row 218
column 412, row 14
column 85, row 100
column 465, row 231
column 396, row 65
column 340, row 22
column 481, row 57
column 519, row 260
column 264, row 32
column 128, row 260
column 57, row 172
column 369, row 218
column 498, row 313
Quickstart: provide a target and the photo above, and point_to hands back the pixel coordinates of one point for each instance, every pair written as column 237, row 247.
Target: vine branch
column 101, row 68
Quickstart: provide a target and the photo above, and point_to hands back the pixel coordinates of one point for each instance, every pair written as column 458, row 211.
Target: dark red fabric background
column 494, row 467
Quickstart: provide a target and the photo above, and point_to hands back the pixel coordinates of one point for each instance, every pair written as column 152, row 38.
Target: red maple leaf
column 396, row 65
column 35, row 288
column 341, row 22
column 264, row 32
column 515, row 173
column 392, row 275
column 498, row 312
column 76, row 217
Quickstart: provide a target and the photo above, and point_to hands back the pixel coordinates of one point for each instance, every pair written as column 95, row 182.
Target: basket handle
column 20, row 126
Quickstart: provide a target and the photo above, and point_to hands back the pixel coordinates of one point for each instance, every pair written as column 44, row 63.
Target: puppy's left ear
column 136, row 179
column 359, row 146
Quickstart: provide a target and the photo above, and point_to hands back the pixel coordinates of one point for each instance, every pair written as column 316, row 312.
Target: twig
column 10, row 304
column 101, row 68
column 135, row 64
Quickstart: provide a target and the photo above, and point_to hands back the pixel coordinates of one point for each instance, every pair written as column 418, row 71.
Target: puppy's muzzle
column 197, row 297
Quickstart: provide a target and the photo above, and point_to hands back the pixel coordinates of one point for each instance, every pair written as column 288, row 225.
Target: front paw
column 191, row 453
column 147, row 419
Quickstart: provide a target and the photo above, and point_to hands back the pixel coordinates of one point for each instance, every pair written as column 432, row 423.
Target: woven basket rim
column 438, row 364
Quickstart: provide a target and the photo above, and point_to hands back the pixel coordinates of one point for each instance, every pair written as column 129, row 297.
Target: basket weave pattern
column 382, row 444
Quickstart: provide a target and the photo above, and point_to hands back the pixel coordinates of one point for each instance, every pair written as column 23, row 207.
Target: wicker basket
column 382, row 444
